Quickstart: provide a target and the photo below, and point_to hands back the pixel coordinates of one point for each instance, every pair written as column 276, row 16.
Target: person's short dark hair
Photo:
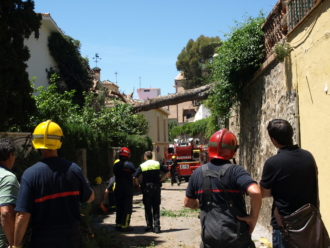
column 7, row 147
column 121, row 157
column 148, row 154
column 281, row 131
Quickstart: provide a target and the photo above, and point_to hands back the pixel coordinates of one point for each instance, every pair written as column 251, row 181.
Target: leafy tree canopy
column 17, row 21
column 194, row 58
column 238, row 59
column 73, row 72
column 111, row 121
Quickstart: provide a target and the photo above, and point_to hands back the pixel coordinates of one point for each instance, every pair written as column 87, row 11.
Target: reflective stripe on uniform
column 127, row 220
column 54, row 196
column 150, row 165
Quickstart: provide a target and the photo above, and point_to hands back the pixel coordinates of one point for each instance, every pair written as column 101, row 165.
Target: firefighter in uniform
column 50, row 195
column 151, row 188
column 110, row 194
column 124, row 171
column 174, row 171
column 218, row 189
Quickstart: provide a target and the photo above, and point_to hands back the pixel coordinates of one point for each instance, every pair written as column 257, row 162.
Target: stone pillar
column 81, row 160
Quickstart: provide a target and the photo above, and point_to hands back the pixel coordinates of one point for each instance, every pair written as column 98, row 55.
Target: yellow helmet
column 98, row 180
column 47, row 135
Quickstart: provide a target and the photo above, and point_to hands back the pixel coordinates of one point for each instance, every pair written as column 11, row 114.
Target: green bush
column 238, row 59
column 204, row 126
column 137, row 145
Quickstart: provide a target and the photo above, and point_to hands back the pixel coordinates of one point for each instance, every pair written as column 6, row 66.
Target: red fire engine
column 189, row 156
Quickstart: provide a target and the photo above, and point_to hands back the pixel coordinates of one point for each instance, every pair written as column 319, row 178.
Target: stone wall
column 267, row 97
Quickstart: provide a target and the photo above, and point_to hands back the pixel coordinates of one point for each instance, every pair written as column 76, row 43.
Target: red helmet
column 222, row 145
column 124, row 151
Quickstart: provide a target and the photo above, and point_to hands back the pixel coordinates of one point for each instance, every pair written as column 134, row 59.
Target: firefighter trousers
column 151, row 201
column 124, row 204
column 175, row 177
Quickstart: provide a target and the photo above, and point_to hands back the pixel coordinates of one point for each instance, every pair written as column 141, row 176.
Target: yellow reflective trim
column 150, row 165
column 126, row 221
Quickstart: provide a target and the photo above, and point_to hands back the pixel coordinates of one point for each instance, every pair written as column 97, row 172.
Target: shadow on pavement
column 136, row 238
column 174, row 230
column 173, row 189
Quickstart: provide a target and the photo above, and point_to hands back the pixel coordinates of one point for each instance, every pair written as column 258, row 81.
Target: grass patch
column 185, row 212
column 102, row 238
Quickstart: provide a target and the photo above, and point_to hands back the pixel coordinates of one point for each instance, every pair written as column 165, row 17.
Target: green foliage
column 54, row 106
column 112, row 121
column 204, row 126
column 238, row 59
column 171, row 125
column 17, row 20
column 194, row 58
column 281, row 51
column 73, row 69
column 137, row 144
column 93, row 127
column 93, row 237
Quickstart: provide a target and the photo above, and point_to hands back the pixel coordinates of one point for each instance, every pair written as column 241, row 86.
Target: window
column 146, row 90
column 297, row 10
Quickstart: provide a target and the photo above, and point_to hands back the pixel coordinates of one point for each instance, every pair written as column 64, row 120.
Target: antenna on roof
column 140, row 82
column 97, row 57
column 116, row 76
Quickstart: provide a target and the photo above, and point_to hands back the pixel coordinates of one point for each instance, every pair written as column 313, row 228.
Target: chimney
column 97, row 72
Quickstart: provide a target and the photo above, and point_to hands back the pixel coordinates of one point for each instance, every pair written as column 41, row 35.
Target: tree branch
column 200, row 93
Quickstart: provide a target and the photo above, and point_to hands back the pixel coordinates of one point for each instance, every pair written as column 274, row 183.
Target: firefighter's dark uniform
column 174, row 173
column 123, row 171
column 111, row 195
column 218, row 224
column 151, row 188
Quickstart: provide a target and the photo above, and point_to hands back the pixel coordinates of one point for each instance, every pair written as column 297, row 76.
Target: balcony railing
column 275, row 26
column 285, row 15
column 297, row 9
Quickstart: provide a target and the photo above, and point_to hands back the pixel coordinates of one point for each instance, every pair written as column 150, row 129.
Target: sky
column 138, row 41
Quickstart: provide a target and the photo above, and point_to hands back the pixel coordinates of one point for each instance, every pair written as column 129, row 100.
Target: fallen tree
column 200, row 93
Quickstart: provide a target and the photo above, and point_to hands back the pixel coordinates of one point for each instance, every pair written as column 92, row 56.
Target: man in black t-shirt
column 289, row 176
column 224, row 222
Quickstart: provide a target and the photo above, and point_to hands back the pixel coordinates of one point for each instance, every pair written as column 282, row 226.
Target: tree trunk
column 200, row 93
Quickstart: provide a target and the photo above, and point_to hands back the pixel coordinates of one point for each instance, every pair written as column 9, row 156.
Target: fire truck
column 189, row 156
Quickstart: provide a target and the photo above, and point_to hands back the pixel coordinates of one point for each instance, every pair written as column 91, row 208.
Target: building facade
column 308, row 71
column 148, row 93
column 158, row 131
column 40, row 59
column 181, row 112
